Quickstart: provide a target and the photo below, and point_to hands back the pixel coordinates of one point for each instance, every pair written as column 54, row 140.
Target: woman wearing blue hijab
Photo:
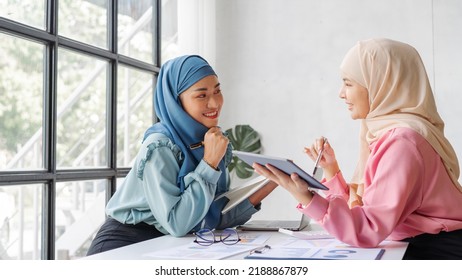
column 172, row 186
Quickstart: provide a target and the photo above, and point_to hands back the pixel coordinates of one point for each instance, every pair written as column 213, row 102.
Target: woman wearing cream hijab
column 405, row 186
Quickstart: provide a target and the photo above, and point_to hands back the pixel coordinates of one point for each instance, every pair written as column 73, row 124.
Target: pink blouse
column 407, row 191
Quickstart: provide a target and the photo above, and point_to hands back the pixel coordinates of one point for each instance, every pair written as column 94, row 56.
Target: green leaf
column 243, row 138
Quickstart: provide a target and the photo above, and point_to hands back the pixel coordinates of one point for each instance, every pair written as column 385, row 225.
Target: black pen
column 196, row 145
column 324, row 140
column 260, row 250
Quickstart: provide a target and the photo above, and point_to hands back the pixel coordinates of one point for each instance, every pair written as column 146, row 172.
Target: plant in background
column 243, row 138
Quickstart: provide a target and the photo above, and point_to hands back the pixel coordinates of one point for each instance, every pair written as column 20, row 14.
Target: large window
column 76, row 90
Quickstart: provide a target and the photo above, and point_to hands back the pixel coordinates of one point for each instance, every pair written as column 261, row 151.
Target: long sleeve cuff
column 337, row 185
column 208, row 173
column 316, row 209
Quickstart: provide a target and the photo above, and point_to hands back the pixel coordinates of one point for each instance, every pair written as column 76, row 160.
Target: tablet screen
column 282, row 164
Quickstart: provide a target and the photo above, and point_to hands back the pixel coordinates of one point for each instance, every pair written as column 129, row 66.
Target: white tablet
column 282, row 164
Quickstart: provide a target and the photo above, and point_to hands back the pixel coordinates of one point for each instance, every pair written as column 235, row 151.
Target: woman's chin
column 210, row 124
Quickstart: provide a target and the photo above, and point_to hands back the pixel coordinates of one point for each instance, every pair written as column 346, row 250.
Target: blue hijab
column 176, row 76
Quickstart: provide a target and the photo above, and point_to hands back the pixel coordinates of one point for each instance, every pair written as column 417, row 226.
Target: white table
column 394, row 250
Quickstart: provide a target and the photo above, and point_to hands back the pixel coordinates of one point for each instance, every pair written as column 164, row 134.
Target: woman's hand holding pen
column 215, row 145
column 327, row 161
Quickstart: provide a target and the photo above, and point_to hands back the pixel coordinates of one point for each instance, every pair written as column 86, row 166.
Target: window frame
column 50, row 175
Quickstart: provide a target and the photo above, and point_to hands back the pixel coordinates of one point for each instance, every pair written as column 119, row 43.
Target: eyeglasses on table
column 207, row 237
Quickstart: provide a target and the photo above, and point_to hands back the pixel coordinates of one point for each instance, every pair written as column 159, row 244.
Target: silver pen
column 324, row 140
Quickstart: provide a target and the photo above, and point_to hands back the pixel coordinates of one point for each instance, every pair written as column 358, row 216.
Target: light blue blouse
column 156, row 199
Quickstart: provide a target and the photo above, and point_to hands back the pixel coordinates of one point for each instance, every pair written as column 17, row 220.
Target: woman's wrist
column 329, row 173
column 306, row 199
column 210, row 164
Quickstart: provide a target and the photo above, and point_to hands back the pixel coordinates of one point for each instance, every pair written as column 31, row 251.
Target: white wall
column 278, row 61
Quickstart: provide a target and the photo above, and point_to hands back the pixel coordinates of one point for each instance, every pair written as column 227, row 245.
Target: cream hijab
column 400, row 96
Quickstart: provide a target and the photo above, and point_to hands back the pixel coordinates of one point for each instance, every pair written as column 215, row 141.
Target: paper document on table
column 194, row 251
column 250, row 238
column 316, row 253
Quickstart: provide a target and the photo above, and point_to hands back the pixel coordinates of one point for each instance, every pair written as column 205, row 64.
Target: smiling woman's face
column 203, row 101
column 356, row 97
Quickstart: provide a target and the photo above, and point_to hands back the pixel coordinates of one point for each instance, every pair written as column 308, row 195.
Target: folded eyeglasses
column 207, row 237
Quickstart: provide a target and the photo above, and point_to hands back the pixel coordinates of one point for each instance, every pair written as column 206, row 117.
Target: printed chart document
column 317, row 249
column 238, row 194
column 194, row 251
column 316, row 253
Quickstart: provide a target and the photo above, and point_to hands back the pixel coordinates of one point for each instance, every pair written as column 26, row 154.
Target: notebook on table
column 275, row 225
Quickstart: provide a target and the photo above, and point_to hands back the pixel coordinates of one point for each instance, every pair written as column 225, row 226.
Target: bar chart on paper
column 314, row 253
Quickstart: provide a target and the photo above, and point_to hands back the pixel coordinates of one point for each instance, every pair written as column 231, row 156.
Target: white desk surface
column 394, row 250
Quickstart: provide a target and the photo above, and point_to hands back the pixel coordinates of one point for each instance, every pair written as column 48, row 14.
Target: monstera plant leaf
column 243, row 138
